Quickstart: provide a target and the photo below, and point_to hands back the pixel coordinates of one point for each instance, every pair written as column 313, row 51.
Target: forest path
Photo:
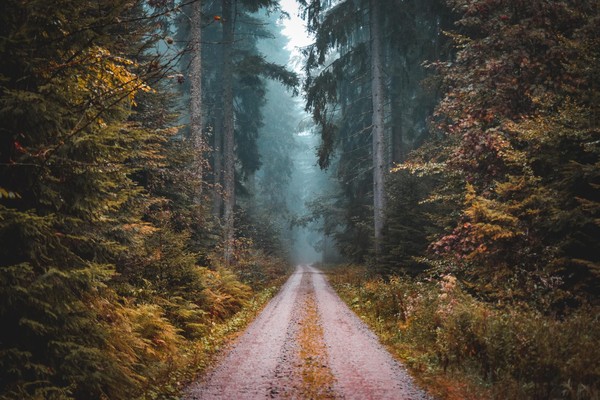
column 306, row 344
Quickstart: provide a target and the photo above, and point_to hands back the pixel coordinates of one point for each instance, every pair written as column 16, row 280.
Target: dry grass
column 317, row 378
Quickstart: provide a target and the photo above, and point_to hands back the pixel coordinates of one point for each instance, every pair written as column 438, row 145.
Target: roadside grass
column 460, row 348
column 187, row 352
column 194, row 356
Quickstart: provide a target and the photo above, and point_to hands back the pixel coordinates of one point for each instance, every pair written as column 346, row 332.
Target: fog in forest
column 304, row 180
column 165, row 164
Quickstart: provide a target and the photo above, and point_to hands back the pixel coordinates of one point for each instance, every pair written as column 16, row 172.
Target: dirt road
column 306, row 344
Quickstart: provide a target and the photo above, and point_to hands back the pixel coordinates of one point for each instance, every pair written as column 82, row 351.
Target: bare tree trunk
column 217, row 206
column 218, row 157
column 377, row 94
column 228, row 130
column 196, row 93
column 398, row 152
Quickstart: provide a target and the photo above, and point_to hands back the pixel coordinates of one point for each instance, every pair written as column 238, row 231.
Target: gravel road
column 306, row 344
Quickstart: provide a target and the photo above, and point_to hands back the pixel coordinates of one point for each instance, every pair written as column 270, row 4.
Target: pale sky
column 294, row 29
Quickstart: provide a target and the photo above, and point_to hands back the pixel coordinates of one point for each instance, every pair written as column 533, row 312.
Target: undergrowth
column 462, row 348
column 194, row 356
column 232, row 297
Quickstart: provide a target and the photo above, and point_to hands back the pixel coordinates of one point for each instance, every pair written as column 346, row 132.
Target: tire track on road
column 307, row 344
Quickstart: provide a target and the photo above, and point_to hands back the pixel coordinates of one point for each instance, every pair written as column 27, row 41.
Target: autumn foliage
column 519, row 121
column 106, row 290
column 464, row 348
column 492, row 270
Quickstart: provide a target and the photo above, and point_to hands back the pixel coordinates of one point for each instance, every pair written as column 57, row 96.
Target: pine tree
column 238, row 77
column 378, row 122
column 356, row 69
column 196, row 126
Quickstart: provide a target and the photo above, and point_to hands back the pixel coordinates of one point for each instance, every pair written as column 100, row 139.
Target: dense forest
column 159, row 173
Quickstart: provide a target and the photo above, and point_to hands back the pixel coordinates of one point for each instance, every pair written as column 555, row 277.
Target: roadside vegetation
column 193, row 336
column 146, row 154
column 116, row 279
column 485, row 276
column 461, row 348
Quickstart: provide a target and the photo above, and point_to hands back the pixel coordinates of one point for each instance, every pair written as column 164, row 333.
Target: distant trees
column 236, row 74
column 364, row 91
column 270, row 195
column 504, row 191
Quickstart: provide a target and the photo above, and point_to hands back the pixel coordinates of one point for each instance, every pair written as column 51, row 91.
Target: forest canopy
column 158, row 175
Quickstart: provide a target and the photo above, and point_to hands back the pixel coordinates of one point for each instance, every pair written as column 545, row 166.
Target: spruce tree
column 519, row 122
column 364, row 73
column 67, row 90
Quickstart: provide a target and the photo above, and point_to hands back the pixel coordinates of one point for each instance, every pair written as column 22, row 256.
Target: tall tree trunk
column 217, row 206
column 228, row 130
column 196, row 93
column 218, row 151
column 398, row 94
column 377, row 95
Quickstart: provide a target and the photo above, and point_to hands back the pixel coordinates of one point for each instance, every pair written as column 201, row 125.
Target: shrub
column 434, row 325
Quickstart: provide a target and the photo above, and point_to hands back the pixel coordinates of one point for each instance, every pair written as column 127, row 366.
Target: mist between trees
column 162, row 163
